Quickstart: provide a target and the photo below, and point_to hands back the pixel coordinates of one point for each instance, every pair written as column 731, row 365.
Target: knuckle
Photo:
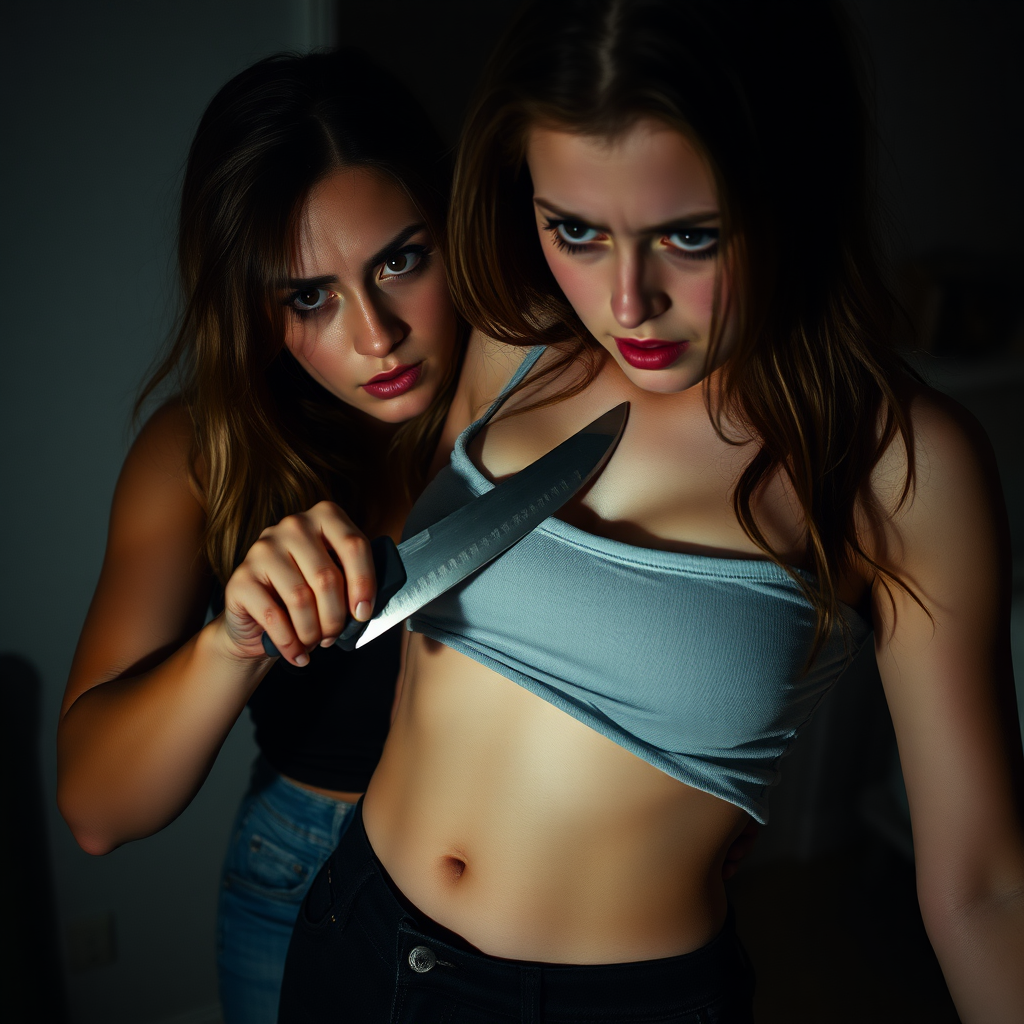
column 360, row 583
column 292, row 526
column 262, row 546
column 333, row 625
column 325, row 579
column 301, row 596
column 353, row 545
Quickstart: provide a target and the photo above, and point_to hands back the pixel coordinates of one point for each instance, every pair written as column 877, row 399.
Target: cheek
column 306, row 337
column 697, row 295
column 321, row 350
column 429, row 313
column 296, row 338
column 581, row 283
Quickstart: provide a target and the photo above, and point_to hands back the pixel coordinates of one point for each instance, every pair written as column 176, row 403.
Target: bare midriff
column 533, row 836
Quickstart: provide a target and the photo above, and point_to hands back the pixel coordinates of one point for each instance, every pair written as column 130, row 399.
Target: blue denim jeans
column 282, row 835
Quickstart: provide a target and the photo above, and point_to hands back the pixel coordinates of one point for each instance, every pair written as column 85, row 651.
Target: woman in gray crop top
column 668, row 196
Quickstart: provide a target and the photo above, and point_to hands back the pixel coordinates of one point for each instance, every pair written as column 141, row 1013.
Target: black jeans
column 362, row 953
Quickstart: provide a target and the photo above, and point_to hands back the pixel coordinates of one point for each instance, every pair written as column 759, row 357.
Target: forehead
column 648, row 174
column 349, row 216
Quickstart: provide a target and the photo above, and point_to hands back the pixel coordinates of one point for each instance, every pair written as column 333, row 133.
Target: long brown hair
column 268, row 440
column 768, row 93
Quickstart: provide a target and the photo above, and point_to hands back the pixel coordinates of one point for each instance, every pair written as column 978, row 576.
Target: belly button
column 453, row 868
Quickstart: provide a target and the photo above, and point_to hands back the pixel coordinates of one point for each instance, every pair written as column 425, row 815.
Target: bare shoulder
column 489, row 366
column 163, row 447
column 486, row 369
column 954, row 465
column 948, row 535
column 156, row 501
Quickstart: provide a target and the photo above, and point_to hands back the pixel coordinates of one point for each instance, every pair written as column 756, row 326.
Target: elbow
column 91, row 838
column 951, row 910
column 93, row 844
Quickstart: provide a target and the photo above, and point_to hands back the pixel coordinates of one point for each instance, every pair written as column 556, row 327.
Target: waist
column 316, row 813
column 342, row 795
column 697, row 978
column 535, row 837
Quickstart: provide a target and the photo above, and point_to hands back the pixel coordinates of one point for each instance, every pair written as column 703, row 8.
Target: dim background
column 100, row 101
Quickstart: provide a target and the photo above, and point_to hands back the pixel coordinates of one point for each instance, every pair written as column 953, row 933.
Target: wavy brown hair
column 769, row 94
column 268, row 440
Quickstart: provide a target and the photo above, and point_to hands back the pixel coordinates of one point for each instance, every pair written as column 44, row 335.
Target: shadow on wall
column 31, row 976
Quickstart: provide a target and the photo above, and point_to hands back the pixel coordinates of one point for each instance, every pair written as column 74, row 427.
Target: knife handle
column 387, row 564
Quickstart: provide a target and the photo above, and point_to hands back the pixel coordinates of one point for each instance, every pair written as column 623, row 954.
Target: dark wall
column 438, row 48
column 99, row 103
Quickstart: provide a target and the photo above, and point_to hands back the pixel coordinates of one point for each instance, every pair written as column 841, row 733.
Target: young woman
column 317, row 354
column 670, row 196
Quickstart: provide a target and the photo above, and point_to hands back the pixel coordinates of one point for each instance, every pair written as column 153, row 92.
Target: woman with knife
column 669, row 196
column 317, row 353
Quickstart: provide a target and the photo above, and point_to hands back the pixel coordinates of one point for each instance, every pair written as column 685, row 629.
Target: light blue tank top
column 693, row 663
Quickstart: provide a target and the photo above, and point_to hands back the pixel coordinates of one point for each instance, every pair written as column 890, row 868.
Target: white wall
column 100, row 102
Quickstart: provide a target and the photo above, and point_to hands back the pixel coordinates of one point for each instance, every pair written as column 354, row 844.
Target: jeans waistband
column 319, row 816
column 422, row 947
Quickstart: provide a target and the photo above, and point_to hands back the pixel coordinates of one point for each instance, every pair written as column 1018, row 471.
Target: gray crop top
column 693, row 663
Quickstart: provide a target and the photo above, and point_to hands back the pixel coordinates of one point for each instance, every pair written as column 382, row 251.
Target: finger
column 356, row 561
column 313, row 560
column 252, row 608
column 271, row 566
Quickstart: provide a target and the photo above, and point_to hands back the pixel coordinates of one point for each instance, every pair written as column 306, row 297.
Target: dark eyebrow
column 693, row 221
column 384, row 253
column 300, row 283
column 394, row 245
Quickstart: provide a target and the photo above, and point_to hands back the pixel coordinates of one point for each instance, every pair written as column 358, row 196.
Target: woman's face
column 629, row 227
column 368, row 311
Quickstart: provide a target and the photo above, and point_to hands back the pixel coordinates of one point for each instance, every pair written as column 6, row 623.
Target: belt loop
column 530, row 986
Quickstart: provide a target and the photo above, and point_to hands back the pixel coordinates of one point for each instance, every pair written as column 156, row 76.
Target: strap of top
column 523, row 369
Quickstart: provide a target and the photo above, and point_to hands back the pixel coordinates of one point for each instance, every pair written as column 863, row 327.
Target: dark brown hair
column 768, row 94
column 268, row 440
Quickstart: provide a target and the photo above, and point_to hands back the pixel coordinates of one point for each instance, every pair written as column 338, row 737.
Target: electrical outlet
column 90, row 942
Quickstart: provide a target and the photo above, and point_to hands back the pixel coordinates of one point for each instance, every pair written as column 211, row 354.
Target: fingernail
column 363, row 610
column 302, row 660
column 328, row 641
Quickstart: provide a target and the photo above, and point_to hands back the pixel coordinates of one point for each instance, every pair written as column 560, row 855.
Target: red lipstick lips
column 650, row 353
column 393, row 383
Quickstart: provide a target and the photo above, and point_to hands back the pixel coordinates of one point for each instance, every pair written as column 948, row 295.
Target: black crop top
column 325, row 725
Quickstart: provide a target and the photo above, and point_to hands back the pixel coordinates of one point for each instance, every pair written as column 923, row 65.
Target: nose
column 636, row 294
column 374, row 329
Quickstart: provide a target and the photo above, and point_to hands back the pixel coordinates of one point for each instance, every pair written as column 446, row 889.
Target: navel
column 452, row 868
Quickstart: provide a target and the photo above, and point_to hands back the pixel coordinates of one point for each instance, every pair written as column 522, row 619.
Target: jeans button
column 422, row 959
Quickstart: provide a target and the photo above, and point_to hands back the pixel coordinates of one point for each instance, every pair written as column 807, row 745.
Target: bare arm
column 948, row 681
column 151, row 695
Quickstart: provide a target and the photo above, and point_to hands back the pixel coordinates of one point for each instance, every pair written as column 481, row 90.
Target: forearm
column 980, row 946
column 133, row 752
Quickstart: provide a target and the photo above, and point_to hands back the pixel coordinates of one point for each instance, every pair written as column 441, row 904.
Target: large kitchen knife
column 427, row 564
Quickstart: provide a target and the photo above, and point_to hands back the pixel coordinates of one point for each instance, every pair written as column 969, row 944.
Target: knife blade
column 432, row 561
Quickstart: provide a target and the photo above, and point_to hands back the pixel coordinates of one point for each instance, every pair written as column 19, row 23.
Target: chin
column 661, row 382
column 403, row 408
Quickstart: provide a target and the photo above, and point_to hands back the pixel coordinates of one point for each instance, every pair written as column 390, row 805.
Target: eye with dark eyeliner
column 306, row 302
column 693, row 243
column 572, row 235
column 405, row 262
column 575, row 237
